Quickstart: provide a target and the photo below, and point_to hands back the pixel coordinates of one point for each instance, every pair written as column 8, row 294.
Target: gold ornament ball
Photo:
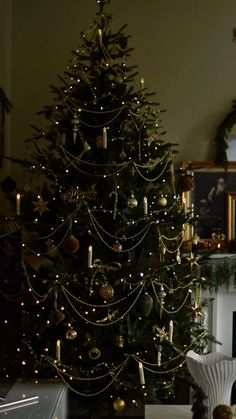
column 161, row 201
column 71, row 334
column 132, row 202
column 70, row 245
column 94, row 353
column 106, row 291
column 222, row 411
column 119, row 405
column 117, row 247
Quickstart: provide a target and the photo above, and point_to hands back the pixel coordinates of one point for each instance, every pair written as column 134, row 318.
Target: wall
column 183, row 49
column 6, row 55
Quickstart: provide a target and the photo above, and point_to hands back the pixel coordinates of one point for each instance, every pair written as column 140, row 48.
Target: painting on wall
column 209, row 197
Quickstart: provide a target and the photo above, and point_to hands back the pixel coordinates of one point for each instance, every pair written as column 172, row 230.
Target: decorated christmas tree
column 111, row 303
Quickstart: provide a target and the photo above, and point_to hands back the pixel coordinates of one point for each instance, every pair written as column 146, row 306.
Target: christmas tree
column 111, row 302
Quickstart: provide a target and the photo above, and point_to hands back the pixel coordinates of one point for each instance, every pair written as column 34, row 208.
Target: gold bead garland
column 114, row 377
column 163, row 307
column 145, row 230
column 120, row 167
column 116, row 320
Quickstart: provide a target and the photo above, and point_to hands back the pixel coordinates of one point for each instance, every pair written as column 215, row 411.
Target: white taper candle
column 18, row 204
column 58, row 351
column 141, row 373
column 145, row 205
column 104, row 138
column 90, row 256
column 171, row 327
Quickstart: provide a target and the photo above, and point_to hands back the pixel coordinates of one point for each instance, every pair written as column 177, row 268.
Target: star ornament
column 40, row 206
column 196, row 311
column 160, row 332
column 193, row 260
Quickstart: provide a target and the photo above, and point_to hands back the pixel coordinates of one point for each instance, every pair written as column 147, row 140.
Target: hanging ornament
column 75, row 123
column 94, row 353
column 161, row 296
column 115, row 193
column 222, row 411
column 86, row 148
column 106, row 291
column 40, row 206
column 160, row 332
column 52, row 249
column 186, row 183
column 159, row 355
column 70, row 245
column 123, row 153
column 178, row 256
column 130, row 144
column 109, row 317
column 161, row 201
column 146, row 304
column 120, row 340
column 162, row 252
column 100, row 36
column 126, row 126
column 195, row 311
column 117, row 247
column 71, row 334
column 76, row 195
column 119, row 405
column 99, row 141
column 55, row 317
column 132, row 202
column 193, row 260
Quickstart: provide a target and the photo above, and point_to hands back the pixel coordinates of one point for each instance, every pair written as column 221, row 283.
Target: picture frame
column 211, row 200
column 231, row 213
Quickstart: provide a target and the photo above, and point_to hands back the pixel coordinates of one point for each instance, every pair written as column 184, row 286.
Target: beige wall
column 183, row 49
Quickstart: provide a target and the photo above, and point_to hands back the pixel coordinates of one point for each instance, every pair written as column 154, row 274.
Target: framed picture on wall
column 209, row 198
column 231, row 214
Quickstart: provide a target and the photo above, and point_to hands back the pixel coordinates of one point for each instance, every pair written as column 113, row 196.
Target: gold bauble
column 161, row 201
column 119, row 404
column 71, row 334
column 94, row 353
column 70, row 245
column 132, row 202
column 106, row 291
column 222, row 411
column 117, row 247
